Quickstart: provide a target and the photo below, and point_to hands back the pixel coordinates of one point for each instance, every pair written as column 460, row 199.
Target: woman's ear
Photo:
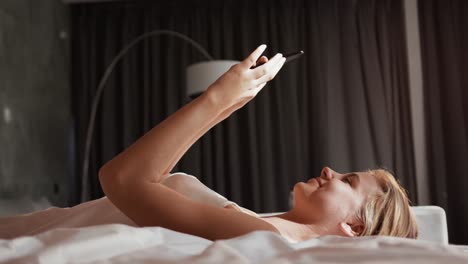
column 350, row 230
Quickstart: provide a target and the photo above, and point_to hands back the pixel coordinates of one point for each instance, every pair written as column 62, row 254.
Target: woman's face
column 333, row 197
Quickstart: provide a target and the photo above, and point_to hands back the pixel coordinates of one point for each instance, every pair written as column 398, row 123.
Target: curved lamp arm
column 100, row 88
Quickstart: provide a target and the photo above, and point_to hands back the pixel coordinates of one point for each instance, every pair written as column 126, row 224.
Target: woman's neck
column 296, row 232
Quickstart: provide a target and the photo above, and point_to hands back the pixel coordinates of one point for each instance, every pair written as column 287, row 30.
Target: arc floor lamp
column 199, row 77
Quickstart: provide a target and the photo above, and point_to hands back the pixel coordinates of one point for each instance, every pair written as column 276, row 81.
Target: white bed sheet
column 117, row 243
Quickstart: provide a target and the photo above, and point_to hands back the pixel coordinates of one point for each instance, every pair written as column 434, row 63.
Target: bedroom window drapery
column 344, row 104
column 444, row 45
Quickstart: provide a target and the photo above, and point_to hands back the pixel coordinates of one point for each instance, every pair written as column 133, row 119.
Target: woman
column 142, row 192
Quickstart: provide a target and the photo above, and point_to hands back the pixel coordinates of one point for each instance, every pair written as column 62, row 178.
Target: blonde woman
column 141, row 191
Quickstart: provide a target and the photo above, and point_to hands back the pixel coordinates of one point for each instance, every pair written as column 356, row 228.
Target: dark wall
column 34, row 100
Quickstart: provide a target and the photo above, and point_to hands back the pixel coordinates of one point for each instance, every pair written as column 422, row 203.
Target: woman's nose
column 327, row 173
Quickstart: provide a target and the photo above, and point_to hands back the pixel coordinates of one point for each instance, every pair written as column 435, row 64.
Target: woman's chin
column 299, row 185
column 304, row 188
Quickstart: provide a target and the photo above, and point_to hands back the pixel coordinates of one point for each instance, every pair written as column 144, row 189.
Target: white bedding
column 117, row 243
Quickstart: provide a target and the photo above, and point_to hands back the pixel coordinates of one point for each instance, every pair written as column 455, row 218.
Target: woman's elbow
column 108, row 177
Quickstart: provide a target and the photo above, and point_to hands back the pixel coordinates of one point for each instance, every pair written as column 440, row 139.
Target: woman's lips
column 317, row 180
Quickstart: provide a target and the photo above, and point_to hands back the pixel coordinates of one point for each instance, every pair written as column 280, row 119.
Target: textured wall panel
column 35, row 114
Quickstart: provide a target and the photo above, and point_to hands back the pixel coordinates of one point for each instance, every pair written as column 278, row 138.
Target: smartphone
column 292, row 56
column 289, row 57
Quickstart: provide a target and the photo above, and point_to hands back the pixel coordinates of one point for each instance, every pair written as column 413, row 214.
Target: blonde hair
column 388, row 213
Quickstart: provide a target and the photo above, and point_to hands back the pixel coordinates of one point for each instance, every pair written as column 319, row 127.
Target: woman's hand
column 240, row 83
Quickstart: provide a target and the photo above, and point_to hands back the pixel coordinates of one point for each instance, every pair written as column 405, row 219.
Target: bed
column 118, row 243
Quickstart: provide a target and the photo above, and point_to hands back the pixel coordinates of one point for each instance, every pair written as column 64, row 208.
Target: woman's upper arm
column 153, row 204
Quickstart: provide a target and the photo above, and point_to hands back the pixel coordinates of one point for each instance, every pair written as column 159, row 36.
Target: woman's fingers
column 267, row 67
column 253, row 57
column 271, row 73
column 261, row 82
column 261, row 61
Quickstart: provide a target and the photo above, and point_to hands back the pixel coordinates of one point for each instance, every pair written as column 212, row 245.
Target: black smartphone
column 289, row 57
column 292, row 56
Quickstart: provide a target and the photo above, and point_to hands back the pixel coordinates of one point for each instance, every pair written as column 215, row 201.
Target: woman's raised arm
column 130, row 180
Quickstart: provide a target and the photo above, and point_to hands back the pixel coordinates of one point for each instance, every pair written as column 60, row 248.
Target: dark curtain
column 444, row 42
column 344, row 104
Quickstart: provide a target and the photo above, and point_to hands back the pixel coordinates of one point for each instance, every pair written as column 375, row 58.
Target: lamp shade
column 201, row 75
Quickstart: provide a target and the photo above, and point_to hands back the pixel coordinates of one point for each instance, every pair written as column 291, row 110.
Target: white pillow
column 432, row 223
